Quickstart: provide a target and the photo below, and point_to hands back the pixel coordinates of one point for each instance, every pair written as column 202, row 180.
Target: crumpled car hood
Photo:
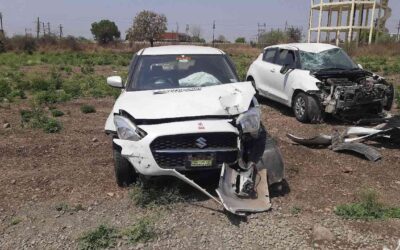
column 219, row 100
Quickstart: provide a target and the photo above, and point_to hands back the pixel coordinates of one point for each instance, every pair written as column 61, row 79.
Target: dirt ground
column 40, row 171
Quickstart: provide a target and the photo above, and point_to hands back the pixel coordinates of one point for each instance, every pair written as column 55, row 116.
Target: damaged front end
column 244, row 180
column 353, row 92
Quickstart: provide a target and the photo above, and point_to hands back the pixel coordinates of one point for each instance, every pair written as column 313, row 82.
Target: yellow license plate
column 201, row 162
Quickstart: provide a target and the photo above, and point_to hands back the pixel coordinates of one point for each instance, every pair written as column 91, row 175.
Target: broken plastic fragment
column 257, row 202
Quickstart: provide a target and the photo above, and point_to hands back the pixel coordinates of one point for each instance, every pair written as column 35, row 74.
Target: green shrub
column 142, row 231
column 154, row 195
column 51, row 97
column 5, row 89
column 86, row 109
column 56, row 113
column 101, row 237
column 72, row 88
column 36, row 118
column 52, row 126
column 367, row 208
column 18, row 93
column 56, row 79
column 40, row 84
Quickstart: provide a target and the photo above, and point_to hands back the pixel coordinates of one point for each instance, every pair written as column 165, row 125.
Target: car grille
column 173, row 151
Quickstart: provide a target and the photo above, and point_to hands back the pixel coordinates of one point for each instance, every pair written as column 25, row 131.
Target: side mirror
column 115, row 82
column 285, row 68
column 360, row 66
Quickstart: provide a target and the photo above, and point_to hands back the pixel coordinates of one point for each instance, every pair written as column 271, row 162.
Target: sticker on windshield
column 166, row 91
column 183, row 59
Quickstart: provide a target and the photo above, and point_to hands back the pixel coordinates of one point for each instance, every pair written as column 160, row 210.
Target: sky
column 234, row 18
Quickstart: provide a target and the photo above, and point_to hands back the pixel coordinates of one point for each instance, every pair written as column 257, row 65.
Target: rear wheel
column 125, row 174
column 306, row 108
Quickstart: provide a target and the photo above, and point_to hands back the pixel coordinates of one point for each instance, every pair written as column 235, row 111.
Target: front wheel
column 306, row 108
column 125, row 174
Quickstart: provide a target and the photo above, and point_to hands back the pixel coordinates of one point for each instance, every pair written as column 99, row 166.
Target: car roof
column 180, row 50
column 307, row 47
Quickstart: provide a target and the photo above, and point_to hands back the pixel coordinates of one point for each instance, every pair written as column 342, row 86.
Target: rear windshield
column 181, row 71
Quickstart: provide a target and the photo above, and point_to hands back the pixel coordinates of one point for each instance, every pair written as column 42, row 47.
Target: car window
column 181, row 71
column 286, row 57
column 269, row 55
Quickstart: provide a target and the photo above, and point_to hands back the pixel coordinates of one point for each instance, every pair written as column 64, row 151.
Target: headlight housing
column 250, row 121
column 127, row 130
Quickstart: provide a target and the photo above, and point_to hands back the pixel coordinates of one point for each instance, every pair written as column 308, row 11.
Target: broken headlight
column 249, row 121
column 127, row 130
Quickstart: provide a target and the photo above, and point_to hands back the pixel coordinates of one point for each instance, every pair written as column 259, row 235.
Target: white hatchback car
column 183, row 109
column 315, row 79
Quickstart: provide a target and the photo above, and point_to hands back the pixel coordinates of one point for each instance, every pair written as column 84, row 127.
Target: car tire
column 125, row 174
column 307, row 109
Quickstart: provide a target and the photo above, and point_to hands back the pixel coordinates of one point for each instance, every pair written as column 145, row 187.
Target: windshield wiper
column 332, row 69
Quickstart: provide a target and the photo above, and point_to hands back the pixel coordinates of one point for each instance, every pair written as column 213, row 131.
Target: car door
column 281, row 83
column 265, row 70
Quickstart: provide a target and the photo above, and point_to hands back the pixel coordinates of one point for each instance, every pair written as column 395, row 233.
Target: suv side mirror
column 285, row 68
column 115, row 82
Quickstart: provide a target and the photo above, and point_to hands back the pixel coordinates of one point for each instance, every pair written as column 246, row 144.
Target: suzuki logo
column 201, row 142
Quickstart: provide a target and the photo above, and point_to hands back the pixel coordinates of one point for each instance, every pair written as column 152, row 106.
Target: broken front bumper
column 148, row 158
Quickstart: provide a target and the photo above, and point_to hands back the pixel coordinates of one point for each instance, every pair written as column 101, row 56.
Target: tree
column 240, row 40
column 105, row 31
column 221, row 38
column 196, row 32
column 272, row 37
column 147, row 26
column 294, row 34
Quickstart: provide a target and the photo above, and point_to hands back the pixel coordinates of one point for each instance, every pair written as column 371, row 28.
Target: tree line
column 147, row 26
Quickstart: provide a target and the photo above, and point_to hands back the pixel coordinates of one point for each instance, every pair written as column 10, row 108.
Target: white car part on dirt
column 345, row 142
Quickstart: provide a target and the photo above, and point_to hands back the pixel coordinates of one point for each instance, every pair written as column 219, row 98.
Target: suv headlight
column 250, row 121
column 126, row 130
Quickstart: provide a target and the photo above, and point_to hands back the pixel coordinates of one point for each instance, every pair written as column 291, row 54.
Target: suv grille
column 173, row 151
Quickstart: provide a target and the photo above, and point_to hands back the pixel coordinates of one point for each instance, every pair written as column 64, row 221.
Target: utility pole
column 44, row 30
column 61, row 31
column 1, row 24
column 213, row 33
column 261, row 28
column 187, row 29
column 398, row 32
column 286, row 26
column 37, row 28
column 177, row 31
column 48, row 28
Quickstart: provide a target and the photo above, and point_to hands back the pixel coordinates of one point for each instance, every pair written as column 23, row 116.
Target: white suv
column 182, row 109
column 315, row 79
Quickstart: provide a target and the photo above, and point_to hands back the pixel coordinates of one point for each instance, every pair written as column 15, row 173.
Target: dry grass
column 383, row 50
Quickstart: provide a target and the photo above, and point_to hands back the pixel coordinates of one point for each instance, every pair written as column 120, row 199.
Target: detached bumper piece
column 351, row 139
column 244, row 192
